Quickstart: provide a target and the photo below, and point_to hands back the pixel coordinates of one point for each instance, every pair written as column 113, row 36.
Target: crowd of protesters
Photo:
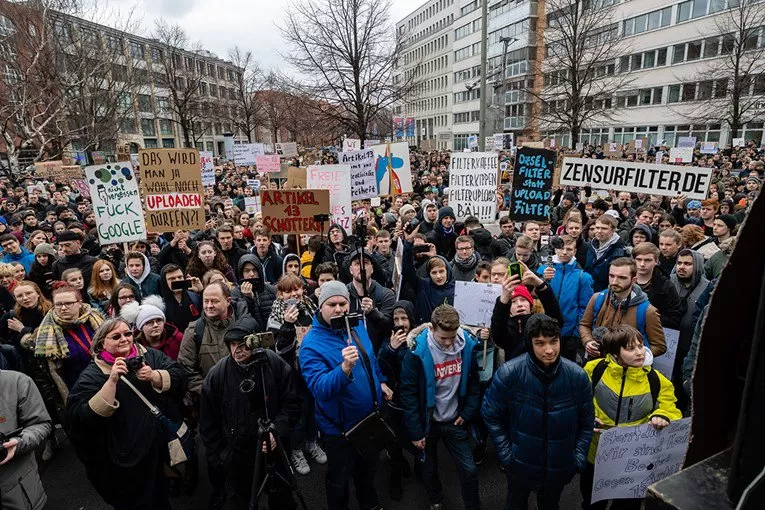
column 174, row 315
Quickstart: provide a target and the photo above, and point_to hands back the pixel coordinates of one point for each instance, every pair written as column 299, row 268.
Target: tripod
column 266, row 428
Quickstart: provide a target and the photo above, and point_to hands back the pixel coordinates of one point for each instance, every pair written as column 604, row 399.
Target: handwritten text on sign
column 268, row 164
column 363, row 181
column 629, row 459
column 292, row 211
column 475, row 301
column 336, row 179
column 116, row 203
column 171, row 185
column 473, row 185
column 208, row 168
column 532, row 184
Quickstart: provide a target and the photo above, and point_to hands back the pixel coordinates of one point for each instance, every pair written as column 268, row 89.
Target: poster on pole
column 293, row 211
column 287, row 149
column 246, row 153
column 475, row 301
column 629, row 459
column 171, row 186
column 637, row 177
column 363, row 182
column 208, row 168
column 681, row 155
column 473, row 181
column 269, row 164
column 116, row 203
column 336, row 179
column 351, row 144
column 392, row 170
column 532, row 184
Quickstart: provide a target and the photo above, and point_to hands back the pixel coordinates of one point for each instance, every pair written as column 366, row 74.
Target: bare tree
column 249, row 82
column 347, row 58
column 727, row 88
column 579, row 72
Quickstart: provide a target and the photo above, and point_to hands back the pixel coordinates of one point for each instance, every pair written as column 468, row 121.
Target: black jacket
column 662, row 295
column 260, row 304
column 380, row 319
column 179, row 314
column 234, row 254
column 272, row 264
column 81, row 261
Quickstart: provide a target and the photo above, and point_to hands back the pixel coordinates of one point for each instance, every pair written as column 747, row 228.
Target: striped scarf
column 51, row 342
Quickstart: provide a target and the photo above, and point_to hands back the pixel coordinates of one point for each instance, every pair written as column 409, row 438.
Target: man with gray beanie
column 342, row 373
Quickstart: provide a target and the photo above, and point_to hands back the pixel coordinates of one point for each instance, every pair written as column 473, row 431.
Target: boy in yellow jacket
column 625, row 393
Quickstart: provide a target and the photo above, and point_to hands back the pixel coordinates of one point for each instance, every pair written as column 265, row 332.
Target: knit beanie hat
column 694, row 204
column 405, row 209
column 522, row 291
column 45, row 248
column 729, row 220
column 445, row 212
column 333, row 289
column 150, row 308
column 68, row 235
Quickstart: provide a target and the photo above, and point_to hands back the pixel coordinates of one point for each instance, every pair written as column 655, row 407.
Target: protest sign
column 351, row 144
column 116, row 203
column 134, row 161
column 392, row 170
column 579, row 147
column 659, row 157
column 489, row 144
column 254, row 184
column 287, row 149
column 709, row 147
column 81, row 185
column 738, row 142
column 398, row 273
column 292, row 211
column 473, row 185
column 268, row 164
column 48, row 169
column 475, row 301
column 687, row 142
column 666, row 362
column 637, row 177
column 208, row 168
column 362, row 163
column 508, row 141
column 369, row 143
column 245, row 153
column 336, row 179
column 252, row 205
column 171, row 185
column 499, row 141
column 472, row 141
column 295, row 178
column 629, row 459
column 681, row 155
column 123, row 152
column 532, row 184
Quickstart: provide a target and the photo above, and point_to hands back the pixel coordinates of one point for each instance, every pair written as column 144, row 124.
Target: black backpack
column 653, row 380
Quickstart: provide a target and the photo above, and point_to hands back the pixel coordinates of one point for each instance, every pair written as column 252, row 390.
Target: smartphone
column 257, row 284
column 396, row 329
column 180, row 285
column 515, row 268
column 422, row 248
column 544, row 240
column 291, row 302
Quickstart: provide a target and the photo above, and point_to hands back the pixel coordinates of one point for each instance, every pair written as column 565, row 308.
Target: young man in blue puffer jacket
column 572, row 287
column 540, row 416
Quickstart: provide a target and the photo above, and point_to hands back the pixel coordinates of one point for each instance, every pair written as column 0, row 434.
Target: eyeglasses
column 126, row 298
column 66, row 304
column 116, row 338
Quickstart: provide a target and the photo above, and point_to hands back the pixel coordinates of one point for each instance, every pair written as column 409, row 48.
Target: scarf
column 50, row 341
column 603, row 247
column 109, row 358
column 468, row 264
column 280, row 306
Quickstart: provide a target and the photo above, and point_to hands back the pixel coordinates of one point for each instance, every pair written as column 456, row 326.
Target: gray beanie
column 45, row 248
column 333, row 289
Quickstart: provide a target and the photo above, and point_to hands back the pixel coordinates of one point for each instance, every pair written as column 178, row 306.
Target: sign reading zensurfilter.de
column 171, row 186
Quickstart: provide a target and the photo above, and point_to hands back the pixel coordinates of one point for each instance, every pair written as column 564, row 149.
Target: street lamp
column 484, row 50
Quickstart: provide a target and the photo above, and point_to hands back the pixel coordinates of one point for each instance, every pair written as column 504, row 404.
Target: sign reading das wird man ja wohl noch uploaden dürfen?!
column 666, row 180
column 171, row 186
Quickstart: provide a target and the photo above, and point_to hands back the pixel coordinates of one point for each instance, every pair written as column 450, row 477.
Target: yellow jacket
column 626, row 393
column 306, row 261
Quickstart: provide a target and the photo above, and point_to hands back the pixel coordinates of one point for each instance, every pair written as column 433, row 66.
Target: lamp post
column 482, row 90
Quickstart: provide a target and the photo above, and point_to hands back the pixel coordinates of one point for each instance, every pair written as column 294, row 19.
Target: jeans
column 585, row 485
column 344, row 462
column 457, row 442
column 305, row 429
column 548, row 498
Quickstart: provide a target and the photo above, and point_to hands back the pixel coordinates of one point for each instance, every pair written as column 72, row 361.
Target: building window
column 168, row 143
column 705, row 90
column 148, row 128
column 684, row 11
column 464, row 117
column 144, row 103
column 136, row 50
column 689, row 92
column 150, row 143
column 461, row 141
column 128, row 126
column 211, row 70
column 221, row 73
column 674, row 94
column 189, row 63
column 657, row 95
column 213, row 90
column 694, row 50
column 203, row 88
column 163, row 104
column 166, row 126
column 157, row 55
column 721, row 88
column 678, row 53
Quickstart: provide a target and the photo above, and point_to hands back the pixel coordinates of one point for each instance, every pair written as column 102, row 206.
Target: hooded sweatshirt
column 645, row 229
column 599, row 258
column 147, row 283
column 260, row 304
column 690, row 294
column 447, row 366
column 429, row 295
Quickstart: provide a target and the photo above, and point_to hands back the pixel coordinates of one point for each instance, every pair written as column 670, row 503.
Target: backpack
column 199, row 330
column 653, row 380
column 642, row 311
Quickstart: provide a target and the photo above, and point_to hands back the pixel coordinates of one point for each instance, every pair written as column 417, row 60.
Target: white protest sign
column 637, row 177
column 116, row 203
column 686, row 141
column 629, row 459
column 666, row 362
column 472, row 141
column 579, row 147
column 398, row 275
column 363, row 181
column 499, row 141
column 268, row 164
column 246, row 153
column 134, row 161
column 370, row 143
column 252, row 205
column 254, row 184
column 287, row 149
column 489, row 145
column 375, row 202
column 392, row 170
column 351, row 144
column 337, row 179
column 208, row 168
column 681, row 155
column 709, row 147
column 475, row 301
column 738, row 142
column 473, row 185
column 659, row 156
column 638, row 143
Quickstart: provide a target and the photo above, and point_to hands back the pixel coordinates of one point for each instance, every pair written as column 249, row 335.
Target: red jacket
column 170, row 344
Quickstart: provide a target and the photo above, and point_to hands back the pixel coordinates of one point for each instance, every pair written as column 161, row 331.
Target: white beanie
column 150, row 308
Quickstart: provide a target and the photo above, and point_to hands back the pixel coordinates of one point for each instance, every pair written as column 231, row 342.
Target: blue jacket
column 341, row 401
column 598, row 269
column 418, row 385
column 24, row 258
column 572, row 287
column 540, row 421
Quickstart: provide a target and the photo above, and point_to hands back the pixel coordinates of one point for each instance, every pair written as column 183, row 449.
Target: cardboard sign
column 637, row 177
column 532, row 184
column 475, row 301
column 659, row 157
column 666, row 362
column 123, row 152
column 293, row 211
column 362, row 163
column 473, row 181
column 252, row 205
column 208, row 168
column 295, row 178
column 392, row 170
column 268, row 164
column 81, row 185
column 336, row 179
column 629, row 459
column 116, row 203
column 54, row 169
column 681, row 155
column 245, row 154
column 287, row 149
column 686, row 142
column 171, row 185
column 351, row 144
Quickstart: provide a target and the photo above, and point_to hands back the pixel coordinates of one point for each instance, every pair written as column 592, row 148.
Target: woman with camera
column 122, row 444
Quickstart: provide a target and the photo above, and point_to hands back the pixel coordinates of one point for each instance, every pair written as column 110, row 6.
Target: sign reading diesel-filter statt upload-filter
column 532, row 184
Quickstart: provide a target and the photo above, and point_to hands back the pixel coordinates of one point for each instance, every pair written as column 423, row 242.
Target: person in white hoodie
column 138, row 274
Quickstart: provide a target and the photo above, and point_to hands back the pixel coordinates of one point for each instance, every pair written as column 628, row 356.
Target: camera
column 338, row 323
column 556, row 242
column 411, row 225
column 134, row 363
column 4, row 438
column 321, row 218
column 257, row 341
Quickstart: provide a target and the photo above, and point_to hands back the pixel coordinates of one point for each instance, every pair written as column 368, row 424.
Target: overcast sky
column 221, row 24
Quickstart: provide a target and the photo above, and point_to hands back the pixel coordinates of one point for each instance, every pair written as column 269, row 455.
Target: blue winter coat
column 540, row 423
column 598, row 269
column 24, row 257
column 429, row 295
column 572, row 287
column 418, row 385
column 341, row 401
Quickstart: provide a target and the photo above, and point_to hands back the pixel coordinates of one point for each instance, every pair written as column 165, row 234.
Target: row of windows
column 467, row 29
column 432, row 85
column 467, row 52
column 656, row 19
column 467, row 95
column 432, row 103
column 426, row 49
column 429, row 12
column 431, row 66
column 465, row 117
column 471, row 73
column 516, row 29
column 432, row 29
column 467, row 9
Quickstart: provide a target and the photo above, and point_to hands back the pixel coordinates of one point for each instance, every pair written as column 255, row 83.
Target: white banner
column 629, row 459
column 681, row 155
column 287, row 149
column 473, row 185
column 637, row 177
column 252, row 205
column 116, row 203
column 363, row 182
column 245, row 153
column 351, row 144
column 337, row 179
column 208, row 168
column 475, row 301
